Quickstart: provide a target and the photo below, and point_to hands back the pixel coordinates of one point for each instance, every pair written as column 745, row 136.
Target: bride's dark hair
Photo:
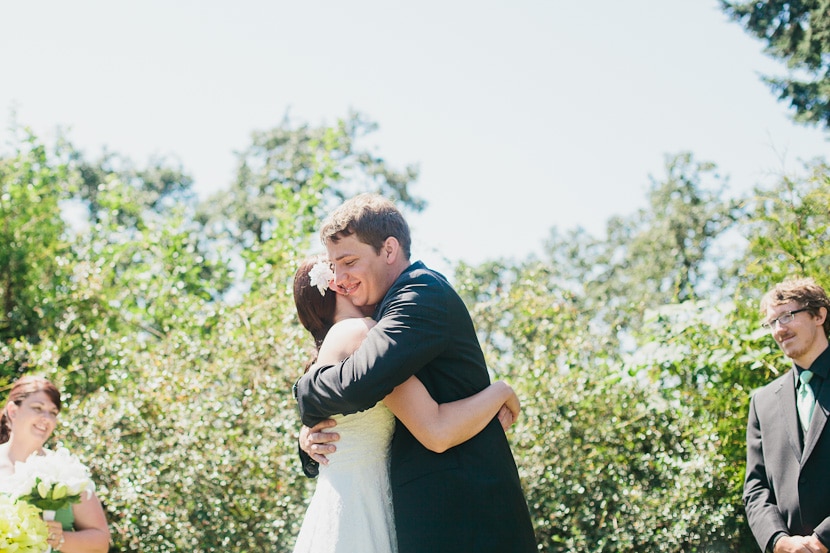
column 315, row 310
column 23, row 388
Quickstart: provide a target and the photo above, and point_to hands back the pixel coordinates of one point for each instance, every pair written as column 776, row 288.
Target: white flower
column 320, row 275
column 54, row 471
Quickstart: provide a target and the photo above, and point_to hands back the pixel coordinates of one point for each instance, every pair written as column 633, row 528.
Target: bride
column 351, row 510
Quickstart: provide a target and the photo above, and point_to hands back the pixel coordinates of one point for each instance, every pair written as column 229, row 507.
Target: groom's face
column 359, row 272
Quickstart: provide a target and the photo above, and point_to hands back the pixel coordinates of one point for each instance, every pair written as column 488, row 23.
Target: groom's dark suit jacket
column 787, row 486
column 469, row 498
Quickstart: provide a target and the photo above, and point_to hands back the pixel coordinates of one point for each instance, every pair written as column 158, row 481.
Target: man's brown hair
column 804, row 291
column 370, row 217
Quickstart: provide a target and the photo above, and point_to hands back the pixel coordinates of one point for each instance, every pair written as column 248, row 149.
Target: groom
column 468, row 498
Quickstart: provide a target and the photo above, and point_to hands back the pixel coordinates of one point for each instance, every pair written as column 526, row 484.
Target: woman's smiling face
column 35, row 417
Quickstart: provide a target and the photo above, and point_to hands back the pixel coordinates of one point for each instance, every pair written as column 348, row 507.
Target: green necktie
column 805, row 400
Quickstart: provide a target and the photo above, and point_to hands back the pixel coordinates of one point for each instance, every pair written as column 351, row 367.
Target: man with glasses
column 787, row 486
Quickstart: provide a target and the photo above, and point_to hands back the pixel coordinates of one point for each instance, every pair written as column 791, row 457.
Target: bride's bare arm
column 343, row 338
column 441, row 426
column 437, row 427
column 340, row 342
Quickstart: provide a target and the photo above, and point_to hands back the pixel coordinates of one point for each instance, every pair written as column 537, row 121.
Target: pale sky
column 522, row 115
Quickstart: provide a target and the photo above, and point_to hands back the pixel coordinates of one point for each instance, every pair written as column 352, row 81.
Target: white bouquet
column 51, row 481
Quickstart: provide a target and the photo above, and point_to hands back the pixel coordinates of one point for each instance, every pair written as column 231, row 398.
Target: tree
column 709, row 354
column 157, row 187
column 284, row 160
column 797, row 33
column 788, row 228
column 126, row 265
column 33, row 183
column 607, row 463
column 193, row 440
column 660, row 254
column 179, row 399
column 198, row 446
column 615, row 437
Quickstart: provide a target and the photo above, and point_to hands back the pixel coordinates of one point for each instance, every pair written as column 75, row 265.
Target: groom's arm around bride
column 468, row 498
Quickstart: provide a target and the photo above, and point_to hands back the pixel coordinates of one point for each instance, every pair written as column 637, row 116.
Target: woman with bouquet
column 27, row 422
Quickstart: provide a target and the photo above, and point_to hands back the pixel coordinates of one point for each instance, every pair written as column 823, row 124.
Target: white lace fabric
column 351, row 509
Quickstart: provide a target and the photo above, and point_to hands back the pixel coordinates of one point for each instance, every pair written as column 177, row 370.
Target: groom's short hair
column 370, row 217
column 805, row 291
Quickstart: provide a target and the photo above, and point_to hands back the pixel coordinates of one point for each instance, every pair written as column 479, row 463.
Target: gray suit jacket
column 787, row 485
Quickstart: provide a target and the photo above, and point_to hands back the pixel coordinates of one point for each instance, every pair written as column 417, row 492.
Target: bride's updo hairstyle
column 315, row 310
column 23, row 388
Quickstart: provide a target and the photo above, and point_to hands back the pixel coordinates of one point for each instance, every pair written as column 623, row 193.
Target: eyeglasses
column 784, row 319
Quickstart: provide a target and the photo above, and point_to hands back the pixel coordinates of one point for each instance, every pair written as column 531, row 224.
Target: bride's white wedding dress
column 351, row 510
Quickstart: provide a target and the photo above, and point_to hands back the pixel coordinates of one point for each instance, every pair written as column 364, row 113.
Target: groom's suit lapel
column 818, row 422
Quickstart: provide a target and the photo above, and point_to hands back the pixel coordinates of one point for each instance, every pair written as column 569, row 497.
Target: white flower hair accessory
column 320, row 275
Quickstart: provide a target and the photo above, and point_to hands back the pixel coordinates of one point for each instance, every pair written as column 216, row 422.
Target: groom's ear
column 391, row 249
column 822, row 314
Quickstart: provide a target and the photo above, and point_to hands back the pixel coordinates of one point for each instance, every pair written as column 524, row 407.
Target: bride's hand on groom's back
column 317, row 443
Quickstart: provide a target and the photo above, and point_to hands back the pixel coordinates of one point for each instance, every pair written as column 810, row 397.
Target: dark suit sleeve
column 311, row 468
column 762, row 512
column 822, row 531
column 412, row 329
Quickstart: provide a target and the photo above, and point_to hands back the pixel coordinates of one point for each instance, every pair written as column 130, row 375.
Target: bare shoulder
column 343, row 338
column 353, row 324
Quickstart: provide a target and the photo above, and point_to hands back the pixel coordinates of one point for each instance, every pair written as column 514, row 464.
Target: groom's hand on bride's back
column 317, row 443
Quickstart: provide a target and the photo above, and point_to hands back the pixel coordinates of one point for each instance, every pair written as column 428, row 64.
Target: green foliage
column 788, row 228
column 119, row 267
column 618, row 469
column 797, row 33
column 154, row 188
column 194, row 442
column 638, row 444
column 179, row 401
column 288, row 159
column 660, row 254
column 709, row 358
column 171, row 330
column 608, row 464
column 32, row 184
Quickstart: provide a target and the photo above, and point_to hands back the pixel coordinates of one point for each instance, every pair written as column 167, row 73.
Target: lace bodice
column 351, row 510
column 364, row 439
